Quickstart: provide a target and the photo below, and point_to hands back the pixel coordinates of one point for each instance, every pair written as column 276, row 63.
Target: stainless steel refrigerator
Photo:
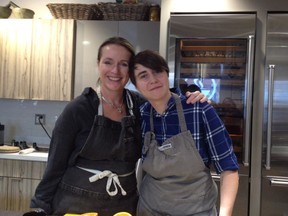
column 274, row 193
column 216, row 52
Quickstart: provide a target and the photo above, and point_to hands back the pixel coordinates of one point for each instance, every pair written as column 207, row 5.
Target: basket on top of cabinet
column 75, row 11
column 122, row 11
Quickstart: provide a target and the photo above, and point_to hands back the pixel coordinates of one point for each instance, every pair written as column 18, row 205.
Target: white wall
column 18, row 118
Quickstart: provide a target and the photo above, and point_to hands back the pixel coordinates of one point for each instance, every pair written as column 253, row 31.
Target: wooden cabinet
column 18, row 181
column 15, row 55
column 52, row 60
column 36, row 58
column 91, row 34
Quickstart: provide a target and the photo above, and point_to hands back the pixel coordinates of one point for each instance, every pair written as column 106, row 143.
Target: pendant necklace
column 118, row 108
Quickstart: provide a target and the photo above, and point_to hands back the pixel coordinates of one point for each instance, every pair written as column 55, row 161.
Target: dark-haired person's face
column 151, row 84
column 113, row 67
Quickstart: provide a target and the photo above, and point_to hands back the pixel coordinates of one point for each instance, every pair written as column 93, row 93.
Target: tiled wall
column 18, row 118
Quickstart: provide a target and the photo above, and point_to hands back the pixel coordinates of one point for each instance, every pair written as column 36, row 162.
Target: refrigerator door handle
column 280, row 182
column 269, row 120
column 215, row 177
column 248, row 100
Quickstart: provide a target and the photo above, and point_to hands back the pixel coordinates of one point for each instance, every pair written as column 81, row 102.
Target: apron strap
column 100, row 107
column 180, row 112
column 129, row 102
column 112, row 178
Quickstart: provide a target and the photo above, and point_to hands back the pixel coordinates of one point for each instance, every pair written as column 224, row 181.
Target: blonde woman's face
column 113, row 67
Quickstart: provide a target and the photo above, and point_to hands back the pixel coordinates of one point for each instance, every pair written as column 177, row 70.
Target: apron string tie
column 112, row 178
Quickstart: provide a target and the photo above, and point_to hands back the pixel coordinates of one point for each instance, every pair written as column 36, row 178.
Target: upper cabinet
column 91, row 34
column 36, row 58
column 15, row 55
column 52, row 62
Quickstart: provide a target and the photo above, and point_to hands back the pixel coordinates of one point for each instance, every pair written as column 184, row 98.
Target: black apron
column 177, row 182
column 102, row 178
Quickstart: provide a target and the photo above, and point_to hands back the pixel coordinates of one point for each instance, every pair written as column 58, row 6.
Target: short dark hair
column 150, row 59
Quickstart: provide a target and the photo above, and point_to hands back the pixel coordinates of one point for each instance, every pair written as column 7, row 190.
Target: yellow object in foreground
column 122, row 214
column 85, row 214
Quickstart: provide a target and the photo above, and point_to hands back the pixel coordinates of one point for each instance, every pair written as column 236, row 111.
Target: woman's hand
column 193, row 97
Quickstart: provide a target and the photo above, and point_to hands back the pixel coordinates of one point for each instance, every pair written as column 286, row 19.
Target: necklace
column 118, row 108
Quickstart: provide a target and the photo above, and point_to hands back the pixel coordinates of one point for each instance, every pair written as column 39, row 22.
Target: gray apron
column 102, row 177
column 177, row 181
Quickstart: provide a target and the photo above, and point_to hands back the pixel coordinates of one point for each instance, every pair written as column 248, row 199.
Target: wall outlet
column 39, row 119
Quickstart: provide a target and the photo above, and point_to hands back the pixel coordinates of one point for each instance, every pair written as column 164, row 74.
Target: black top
column 69, row 135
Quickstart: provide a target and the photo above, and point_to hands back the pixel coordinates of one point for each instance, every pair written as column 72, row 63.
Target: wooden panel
column 15, row 54
column 20, row 193
column 27, row 169
column 32, row 169
column 3, row 192
column 52, row 59
column 5, row 167
column 19, row 184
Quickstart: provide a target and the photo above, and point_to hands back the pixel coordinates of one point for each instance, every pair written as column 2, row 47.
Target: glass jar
column 154, row 13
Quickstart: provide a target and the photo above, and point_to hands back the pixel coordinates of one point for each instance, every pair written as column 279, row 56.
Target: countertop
column 34, row 156
column 10, row 213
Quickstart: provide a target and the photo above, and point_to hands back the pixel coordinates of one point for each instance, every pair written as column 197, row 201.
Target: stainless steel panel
column 231, row 30
column 232, row 74
column 274, row 199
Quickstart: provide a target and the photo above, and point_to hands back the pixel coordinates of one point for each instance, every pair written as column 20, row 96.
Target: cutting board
column 9, row 149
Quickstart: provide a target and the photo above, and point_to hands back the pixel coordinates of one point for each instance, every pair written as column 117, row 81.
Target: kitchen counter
column 34, row 156
column 10, row 213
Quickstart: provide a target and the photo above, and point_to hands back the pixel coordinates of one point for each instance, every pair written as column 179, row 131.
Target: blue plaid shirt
column 208, row 131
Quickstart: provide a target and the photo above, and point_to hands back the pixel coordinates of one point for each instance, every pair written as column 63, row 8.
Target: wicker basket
column 118, row 11
column 76, row 11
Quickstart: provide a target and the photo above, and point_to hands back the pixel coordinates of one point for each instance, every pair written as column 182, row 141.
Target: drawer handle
column 279, row 182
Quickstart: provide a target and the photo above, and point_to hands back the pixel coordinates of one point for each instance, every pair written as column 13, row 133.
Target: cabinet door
column 143, row 35
column 15, row 56
column 90, row 35
column 18, row 182
column 52, row 59
column 20, row 192
column 3, row 193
